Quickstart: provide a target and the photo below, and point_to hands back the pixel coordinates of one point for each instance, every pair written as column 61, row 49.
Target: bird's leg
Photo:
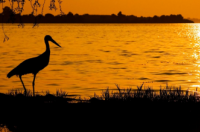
column 23, row 85
column 34, row 84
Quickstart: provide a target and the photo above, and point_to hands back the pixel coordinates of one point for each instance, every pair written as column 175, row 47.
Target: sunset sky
column 188, row 8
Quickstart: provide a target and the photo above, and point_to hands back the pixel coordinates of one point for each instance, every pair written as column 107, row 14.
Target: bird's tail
column 10, row 74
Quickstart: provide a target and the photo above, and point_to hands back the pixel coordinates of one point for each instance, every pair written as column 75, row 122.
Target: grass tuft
column 168, row 94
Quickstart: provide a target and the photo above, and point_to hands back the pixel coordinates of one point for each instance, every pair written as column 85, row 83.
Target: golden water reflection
column 96, row 56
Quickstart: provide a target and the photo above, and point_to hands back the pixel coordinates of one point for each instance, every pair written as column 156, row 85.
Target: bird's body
column 33, row 65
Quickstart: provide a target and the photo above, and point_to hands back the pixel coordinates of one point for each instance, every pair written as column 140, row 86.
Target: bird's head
column 49, row 38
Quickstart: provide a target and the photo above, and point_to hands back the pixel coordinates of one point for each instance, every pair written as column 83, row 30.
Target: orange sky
column 188, row 8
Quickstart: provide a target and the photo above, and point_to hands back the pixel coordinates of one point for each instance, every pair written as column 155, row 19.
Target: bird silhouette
column 33, row 65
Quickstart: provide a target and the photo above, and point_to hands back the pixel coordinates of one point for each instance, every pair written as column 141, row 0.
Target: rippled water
column 96, row 56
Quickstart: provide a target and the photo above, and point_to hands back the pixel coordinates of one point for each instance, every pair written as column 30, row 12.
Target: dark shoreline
column 171, row 109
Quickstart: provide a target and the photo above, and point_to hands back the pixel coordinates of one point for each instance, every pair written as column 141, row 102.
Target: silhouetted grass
column 168, row 94
column 149, row 95
column 141, row 109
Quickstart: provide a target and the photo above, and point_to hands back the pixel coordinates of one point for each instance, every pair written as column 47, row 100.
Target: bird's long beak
column 55, row 43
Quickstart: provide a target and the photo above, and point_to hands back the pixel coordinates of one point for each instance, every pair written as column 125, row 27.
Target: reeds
column 167, row 94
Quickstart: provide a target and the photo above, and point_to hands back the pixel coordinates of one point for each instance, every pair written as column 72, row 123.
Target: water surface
column 96, row 56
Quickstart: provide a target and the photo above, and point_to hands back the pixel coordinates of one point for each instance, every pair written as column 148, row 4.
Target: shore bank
column 142, row 109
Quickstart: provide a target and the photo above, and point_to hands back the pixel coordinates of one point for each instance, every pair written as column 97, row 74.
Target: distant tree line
column 195, row 20
column 86, row 18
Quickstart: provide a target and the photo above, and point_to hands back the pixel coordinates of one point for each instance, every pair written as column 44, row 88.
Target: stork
column 33, row 65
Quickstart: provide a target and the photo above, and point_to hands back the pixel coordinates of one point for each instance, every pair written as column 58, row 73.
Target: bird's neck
column 47, row 45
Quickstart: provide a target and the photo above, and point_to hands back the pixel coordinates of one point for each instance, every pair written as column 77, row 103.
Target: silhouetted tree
column 76, row 15
column 49, row 17
column 180, row 17
column 86, row 14
column 155, row 19
column 119, row 14
column 7, row 11
column 163, row 18
column 113, row 15
column 70, row 14
column 8, row 14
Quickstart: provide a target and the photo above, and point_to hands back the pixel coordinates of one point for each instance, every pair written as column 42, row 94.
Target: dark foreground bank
column 170, row 109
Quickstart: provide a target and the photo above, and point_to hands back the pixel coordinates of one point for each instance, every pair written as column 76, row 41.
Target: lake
column 94, row 57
